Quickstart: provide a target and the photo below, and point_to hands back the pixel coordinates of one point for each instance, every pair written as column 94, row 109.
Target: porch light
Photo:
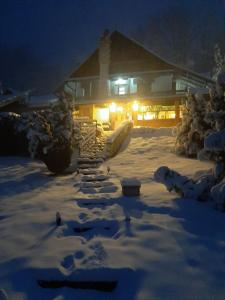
column 112, row 107
column 135, row 106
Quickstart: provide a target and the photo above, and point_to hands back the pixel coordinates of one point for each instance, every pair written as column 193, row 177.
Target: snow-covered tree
column 193, row 128
column 219, row 59
column 209, row 186
column 63, row 136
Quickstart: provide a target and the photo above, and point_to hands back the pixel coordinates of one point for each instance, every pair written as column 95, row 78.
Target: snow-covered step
column 104, row 189
column 90, row 229
column 88, row 160
column 91, row 171
column 88, row 166
column 94, row 177
column 96, row 184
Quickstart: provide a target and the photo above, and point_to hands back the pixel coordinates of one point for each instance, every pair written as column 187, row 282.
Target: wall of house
column 86, row 110
column 157, row 123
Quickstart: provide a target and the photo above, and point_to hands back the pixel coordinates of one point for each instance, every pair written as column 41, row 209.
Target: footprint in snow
column 83, row 216
column 79, row 254
column 98, row 257
column 68, row 264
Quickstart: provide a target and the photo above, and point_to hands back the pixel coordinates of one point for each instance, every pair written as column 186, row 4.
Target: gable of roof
column 128, row 56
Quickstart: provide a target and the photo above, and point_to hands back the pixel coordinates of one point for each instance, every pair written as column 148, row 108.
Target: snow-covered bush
column 49, row 135
column 193, row 128
column 184, row 186
column 210, row 126
column 58, row 136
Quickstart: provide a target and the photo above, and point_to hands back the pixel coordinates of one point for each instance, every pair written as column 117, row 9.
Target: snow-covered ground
column 156, row 246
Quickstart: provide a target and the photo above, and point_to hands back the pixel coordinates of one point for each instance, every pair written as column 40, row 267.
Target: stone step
column 96, row 184
column 91, row 171
column 95, row 177
column 88, row 160
column 105, row 189
column 89, row 166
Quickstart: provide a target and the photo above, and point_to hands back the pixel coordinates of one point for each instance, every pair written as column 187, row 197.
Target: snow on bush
column 62, row 137
column 183, row 185
column 49, row 135
column 218, row 195
column 202, row 132
column 219, row 59
column 191, row 131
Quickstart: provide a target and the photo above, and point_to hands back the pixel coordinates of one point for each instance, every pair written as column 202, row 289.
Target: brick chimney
column 104, row 61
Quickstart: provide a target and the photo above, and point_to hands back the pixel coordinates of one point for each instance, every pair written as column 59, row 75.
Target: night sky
column 62, row 33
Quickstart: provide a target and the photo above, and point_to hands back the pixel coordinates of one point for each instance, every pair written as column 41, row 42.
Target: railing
column 88, row 130
column 116, row 139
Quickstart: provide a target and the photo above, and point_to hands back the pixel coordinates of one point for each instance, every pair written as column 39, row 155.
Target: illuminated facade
column 122, row 80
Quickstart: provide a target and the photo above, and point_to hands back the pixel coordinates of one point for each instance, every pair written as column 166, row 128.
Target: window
column 122, row 86
column 122, row 90
column 162, row 83
column 152, row 112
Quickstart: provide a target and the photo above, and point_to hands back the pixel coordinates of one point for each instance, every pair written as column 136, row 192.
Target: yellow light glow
column 149, row 116
column 171, row 115
column 135, row 106
column 140, row 117
column 142, row 108
column 120, row 109
column 103, row 114
column 112, row 107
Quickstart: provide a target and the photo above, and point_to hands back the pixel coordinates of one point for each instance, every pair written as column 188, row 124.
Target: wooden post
column 177, row 109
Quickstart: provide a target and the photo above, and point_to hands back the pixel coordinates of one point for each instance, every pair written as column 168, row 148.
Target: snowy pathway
column 152, row 247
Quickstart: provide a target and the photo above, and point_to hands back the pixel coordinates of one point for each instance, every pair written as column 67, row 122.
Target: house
column 11, row 100
column 18, row 102
column 123, row 80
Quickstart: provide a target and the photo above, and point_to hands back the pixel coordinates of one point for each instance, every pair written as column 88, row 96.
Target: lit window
column 149, row 116
column 170, row 114
column 120, row 81
column 112, row 107
column 122, row 90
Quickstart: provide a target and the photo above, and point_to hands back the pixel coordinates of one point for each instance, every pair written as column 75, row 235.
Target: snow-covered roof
column 42, row 100
column 198, row 90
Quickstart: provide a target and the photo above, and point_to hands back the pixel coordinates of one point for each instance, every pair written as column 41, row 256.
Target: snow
column 130, row 182
column 123, row 126
column 157, row 246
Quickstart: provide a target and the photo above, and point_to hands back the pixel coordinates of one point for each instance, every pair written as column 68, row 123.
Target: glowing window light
column 170, row 115
column 102, row 114
column 122, row 90
column 135, row 106
column 120, row 109
column 120, row 81
column 149, row 116
column 143, row 108
column 140, row 117
column 112, row 107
